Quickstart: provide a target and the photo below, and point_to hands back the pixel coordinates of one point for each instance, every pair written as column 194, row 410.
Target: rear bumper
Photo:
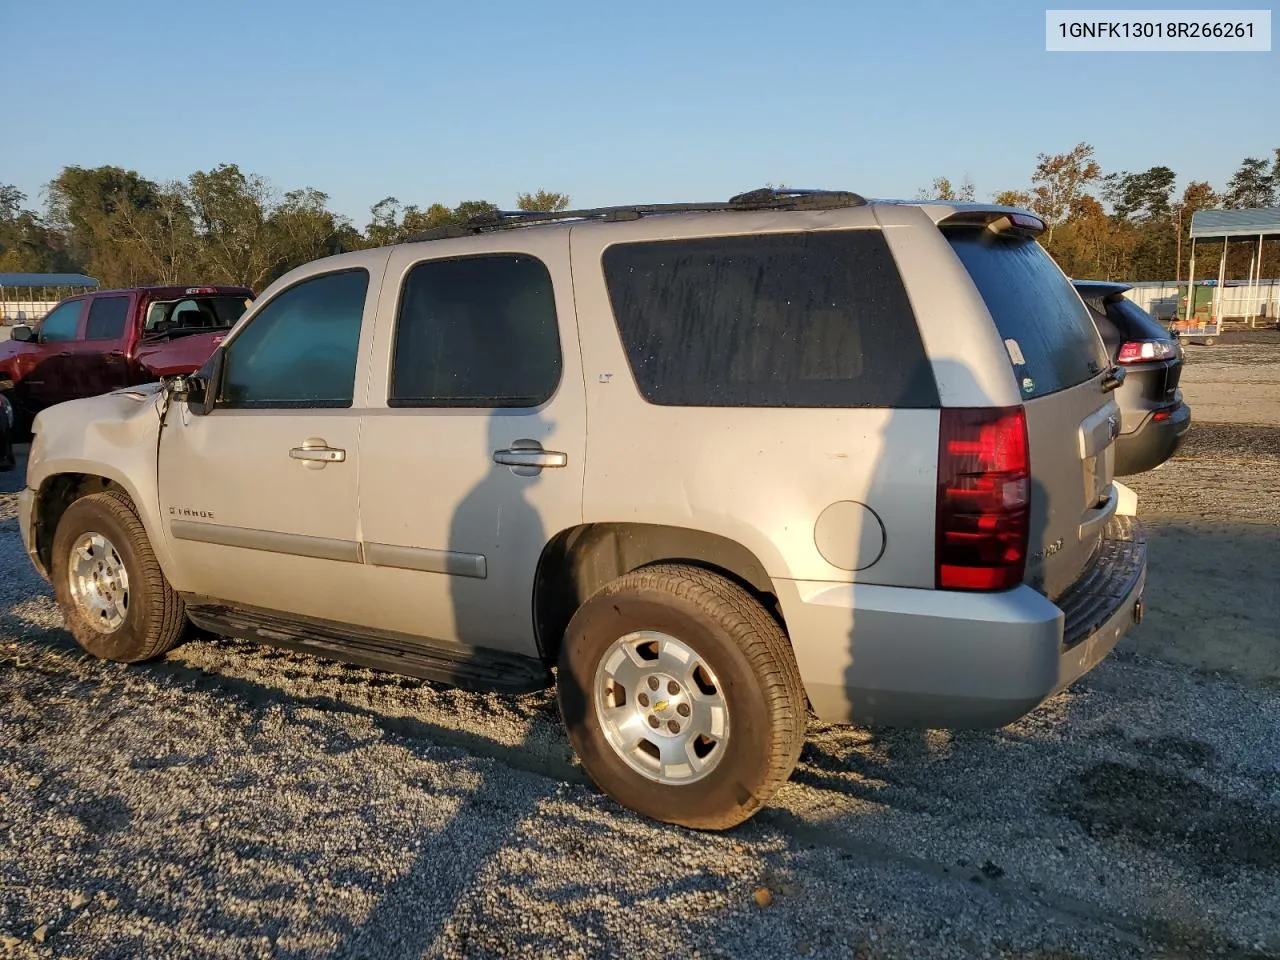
column 932, row 658
column 1152, row 443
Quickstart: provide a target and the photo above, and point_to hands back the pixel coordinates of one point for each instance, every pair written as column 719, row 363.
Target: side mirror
column 22, row 333
column 203, row 386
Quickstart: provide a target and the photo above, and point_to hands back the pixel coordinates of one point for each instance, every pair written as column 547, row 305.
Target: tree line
column 227, row 226
column 1134, row 226
column 217, row 226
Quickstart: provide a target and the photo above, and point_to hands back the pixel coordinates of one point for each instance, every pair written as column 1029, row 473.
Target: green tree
column 543, row 201
column 1059, row 180
column 1198, row 195
column 384, row 223
column 1142, row 196
column 160, row 238
column 11, row 201
column 1252, row 185
column 303, row 229
column 27, row 244
column 941, row 189
column 1013, row 198
column 232, row 210
column 93, row 207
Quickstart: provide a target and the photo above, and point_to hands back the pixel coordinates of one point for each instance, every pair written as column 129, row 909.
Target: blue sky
column 644, row 102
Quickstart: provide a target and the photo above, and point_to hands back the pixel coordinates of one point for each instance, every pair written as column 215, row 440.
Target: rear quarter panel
column 759, row 476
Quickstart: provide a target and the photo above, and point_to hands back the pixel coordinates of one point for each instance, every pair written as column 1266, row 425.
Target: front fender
column 113, row 436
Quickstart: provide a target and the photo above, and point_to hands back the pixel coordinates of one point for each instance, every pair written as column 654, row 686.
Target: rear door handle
column 530, row 457
column 316, row 453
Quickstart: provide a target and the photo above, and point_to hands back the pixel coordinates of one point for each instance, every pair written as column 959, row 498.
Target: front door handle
column 315, row 453
column 532, row 456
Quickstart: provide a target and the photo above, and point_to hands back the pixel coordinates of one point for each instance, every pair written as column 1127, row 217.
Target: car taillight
column 984, row 498
column 1146, row 351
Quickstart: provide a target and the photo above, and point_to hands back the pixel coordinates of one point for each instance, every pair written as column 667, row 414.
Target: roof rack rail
column 765, row 198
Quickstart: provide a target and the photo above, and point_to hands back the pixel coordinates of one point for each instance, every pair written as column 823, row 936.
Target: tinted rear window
column 1136, row 322
column 206, row 312
column 814, row 319
column 107, row 318
column 1036, row 308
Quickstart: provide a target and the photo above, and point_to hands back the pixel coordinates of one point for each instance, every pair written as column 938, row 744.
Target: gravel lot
column 232, row 801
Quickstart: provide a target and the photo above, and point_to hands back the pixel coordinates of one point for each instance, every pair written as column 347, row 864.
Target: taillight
column 984, row 498
column 1146, row 351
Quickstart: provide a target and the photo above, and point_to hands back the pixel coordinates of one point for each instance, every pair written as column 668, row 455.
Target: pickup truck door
column 473, row 444
column 258, row 497
column 102, row 361
column 59, row 336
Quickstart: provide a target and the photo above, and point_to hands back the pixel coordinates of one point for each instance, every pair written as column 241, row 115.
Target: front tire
column 113, row 596
column 681, row 696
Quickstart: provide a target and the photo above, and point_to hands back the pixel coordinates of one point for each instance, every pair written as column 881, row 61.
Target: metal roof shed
column 62, row 284
column 1229, row 225
column 29, row 280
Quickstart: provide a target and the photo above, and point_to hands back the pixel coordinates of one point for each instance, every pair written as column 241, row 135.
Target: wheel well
column 579, row 561
column 56, row 494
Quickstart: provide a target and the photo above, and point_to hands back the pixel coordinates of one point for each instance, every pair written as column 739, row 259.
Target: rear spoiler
column 998, row 220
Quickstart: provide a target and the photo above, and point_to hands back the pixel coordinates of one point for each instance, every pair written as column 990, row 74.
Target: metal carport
column 1228, row 226
column 43, row 282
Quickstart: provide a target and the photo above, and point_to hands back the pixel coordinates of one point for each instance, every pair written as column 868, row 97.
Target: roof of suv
column 765, row 199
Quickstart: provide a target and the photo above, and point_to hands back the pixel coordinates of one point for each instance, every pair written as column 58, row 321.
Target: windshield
column 194, row 314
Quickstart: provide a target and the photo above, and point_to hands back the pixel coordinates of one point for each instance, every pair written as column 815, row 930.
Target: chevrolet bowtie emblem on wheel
column 661, row 705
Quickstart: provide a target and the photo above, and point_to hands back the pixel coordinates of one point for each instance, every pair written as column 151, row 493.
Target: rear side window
column 813, row 319
column 1051, row 339
column 107, row 317
column 476, row 332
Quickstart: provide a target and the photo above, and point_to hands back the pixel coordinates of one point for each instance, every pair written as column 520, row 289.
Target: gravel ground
column 232, row 801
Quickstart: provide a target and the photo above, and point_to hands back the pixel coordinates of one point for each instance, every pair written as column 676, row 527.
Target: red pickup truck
column 108, row 339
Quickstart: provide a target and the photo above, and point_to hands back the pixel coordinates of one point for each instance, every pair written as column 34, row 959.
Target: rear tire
column 694, row 647
column 113, row 596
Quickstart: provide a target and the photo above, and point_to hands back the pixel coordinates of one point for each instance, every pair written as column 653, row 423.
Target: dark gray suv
column 1153, row 415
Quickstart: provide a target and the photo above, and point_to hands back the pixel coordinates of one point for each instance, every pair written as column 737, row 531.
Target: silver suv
column 706, row 466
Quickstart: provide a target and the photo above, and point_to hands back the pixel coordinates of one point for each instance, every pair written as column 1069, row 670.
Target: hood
column 143, row 391
column 15, row 348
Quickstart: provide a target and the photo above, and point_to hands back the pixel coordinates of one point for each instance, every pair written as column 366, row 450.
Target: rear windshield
column 1048, row 333
column 1136, row 322
column 195, row 313
column 812, row 319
